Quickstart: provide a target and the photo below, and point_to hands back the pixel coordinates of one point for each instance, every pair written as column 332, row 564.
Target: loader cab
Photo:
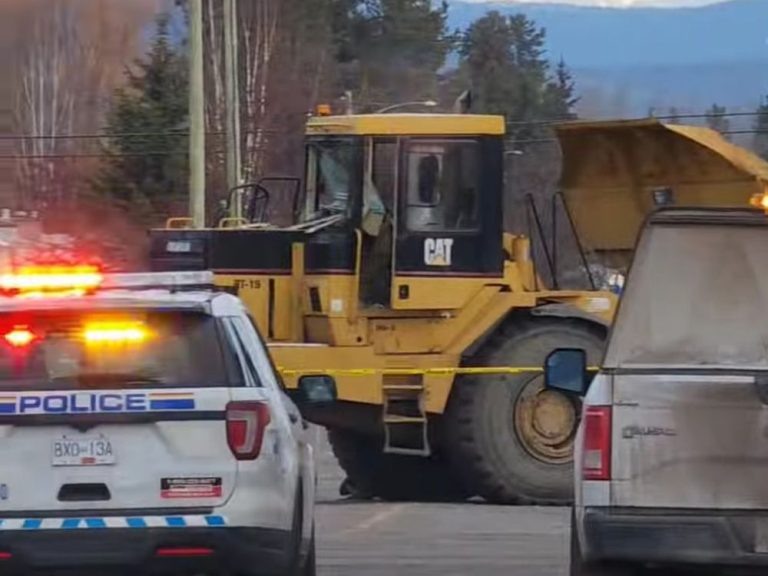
column 414, row 199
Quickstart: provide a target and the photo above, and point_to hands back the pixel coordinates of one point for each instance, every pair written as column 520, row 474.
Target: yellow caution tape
column 484, row 370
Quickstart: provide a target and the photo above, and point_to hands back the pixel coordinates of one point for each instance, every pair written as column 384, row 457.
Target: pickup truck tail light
column 597, row 443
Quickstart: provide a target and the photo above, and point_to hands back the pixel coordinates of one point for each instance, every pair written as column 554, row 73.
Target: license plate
column 84, row 451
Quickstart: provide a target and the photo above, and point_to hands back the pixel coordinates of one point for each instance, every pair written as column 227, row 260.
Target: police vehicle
column 143, row 428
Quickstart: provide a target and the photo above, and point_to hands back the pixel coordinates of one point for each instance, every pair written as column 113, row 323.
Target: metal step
column 404, row 418
column 396, row 387
column 408, row 451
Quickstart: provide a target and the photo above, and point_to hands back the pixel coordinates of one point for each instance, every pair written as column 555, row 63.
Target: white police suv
column 143, row 428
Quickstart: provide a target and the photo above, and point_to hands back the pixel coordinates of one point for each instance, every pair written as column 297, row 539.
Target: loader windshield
column 333, row 165
column 697, row 296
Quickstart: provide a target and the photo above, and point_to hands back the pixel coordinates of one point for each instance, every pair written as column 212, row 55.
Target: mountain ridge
column 606, row 4
column 741, row 22
column 687, row 57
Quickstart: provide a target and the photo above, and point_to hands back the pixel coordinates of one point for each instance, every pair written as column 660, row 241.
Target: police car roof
column 174, row 291
column 115, row 299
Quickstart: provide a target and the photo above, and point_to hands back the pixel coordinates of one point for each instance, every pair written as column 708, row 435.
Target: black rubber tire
column 392, row 477
column 310, row 562
column 294, row 561
column 481, row 437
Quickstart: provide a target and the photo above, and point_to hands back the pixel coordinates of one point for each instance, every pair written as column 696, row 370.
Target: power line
column 700, row 116
column 172, row 153
column 82, row 155
column 514, row 141
column 105, row 136
column 91, row 136
column 184, row 133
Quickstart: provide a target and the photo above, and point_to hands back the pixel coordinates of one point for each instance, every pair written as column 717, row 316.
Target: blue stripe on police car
column 90, row 403
column 112, row 522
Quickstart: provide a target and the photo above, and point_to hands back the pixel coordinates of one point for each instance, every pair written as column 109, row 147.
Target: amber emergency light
column 760, row 201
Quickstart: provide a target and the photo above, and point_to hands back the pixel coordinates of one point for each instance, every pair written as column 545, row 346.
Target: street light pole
column 196, row 116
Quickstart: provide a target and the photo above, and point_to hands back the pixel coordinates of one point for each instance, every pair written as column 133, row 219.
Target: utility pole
column 232, row 89
column 196, row 115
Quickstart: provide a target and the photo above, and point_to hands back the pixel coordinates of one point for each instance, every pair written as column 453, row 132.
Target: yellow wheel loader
column 391, row 275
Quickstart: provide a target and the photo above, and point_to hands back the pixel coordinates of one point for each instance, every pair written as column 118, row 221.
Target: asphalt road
column 445, row 540
column 382, row 539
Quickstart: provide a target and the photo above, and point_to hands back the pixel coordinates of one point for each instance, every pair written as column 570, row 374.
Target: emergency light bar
column 40, row 281
column 168, row 280
column 35, row 279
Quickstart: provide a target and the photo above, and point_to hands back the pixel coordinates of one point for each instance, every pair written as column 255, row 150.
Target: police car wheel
column 310, row 565
column 294, row 559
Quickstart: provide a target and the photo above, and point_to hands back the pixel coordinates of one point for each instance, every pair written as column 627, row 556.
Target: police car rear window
column 113, row 350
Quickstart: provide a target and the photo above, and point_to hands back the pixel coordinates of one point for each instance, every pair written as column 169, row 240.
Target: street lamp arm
column 425, row 103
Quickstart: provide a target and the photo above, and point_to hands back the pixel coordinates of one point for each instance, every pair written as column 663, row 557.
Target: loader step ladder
column 404, row 418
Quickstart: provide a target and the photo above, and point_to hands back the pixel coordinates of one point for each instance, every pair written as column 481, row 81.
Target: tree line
column 358, row 55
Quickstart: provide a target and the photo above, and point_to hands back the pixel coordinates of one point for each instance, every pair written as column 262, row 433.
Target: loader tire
column 511, row 439
column 392, row 477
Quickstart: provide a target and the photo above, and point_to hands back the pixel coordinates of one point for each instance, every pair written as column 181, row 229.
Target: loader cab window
column 333, row 171
column 384, row 173
column 442, row 185
column 376, row 261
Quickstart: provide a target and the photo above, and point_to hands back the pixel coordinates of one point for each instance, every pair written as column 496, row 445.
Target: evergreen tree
column 717, row 119
column 761, row 130
column 559, row 94
column 147, row 168
column 390, row 50
column 504, row 60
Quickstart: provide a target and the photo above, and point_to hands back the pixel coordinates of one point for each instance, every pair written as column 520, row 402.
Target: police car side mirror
column 565, row 370
column 316, row 390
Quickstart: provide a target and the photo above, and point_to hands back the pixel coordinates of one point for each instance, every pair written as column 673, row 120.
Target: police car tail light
column 37, row 280
column 183, row 552
column 246, row 422
column 19, row 337
column 597, row 443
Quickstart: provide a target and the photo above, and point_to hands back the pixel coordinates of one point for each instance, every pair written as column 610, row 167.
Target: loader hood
column 615, row 173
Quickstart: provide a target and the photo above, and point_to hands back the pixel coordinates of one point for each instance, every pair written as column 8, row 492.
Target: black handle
column 84, row 493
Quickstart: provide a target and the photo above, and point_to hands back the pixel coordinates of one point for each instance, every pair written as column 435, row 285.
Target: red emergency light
column 20, row 337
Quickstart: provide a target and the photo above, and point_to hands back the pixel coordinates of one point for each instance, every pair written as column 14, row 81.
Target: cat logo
column 437, row 251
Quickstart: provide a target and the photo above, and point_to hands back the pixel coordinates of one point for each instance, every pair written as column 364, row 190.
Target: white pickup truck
column 672, row 450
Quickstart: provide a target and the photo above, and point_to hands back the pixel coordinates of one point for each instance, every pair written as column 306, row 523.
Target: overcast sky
column 615, row 3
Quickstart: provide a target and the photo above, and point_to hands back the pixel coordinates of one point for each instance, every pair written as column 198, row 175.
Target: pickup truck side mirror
column 314, row 390
column 565, row 370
